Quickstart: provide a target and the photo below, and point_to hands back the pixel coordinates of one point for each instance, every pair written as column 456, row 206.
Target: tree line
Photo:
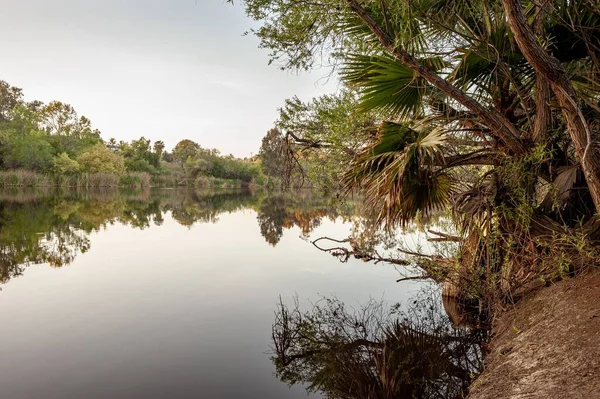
column 51, row 144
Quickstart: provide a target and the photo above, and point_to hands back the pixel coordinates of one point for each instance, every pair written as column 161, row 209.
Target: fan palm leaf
column 387, row 86
column 401, row 174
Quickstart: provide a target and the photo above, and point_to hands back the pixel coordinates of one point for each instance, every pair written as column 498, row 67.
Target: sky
column 166, row 70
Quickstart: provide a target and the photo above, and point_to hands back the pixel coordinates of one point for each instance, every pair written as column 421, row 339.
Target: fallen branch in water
column 423, row 277
column 343, row 253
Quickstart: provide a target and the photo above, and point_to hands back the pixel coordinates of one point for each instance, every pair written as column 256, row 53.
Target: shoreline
column 547, row 345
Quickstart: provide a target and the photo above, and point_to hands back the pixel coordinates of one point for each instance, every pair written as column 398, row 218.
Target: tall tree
column 10, row 97
column 272, row 153
column 159, row 147
column 185, row 149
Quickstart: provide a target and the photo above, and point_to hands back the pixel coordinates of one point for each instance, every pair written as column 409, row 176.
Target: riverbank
column 547, row 346
column 27, row 178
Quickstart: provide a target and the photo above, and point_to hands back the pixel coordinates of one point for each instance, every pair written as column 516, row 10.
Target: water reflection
column 375, row 351
column 302, row 209
column 41, row 226
column 122, row 291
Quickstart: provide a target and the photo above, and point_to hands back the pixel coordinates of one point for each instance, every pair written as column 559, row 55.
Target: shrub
column 99, row 159
column 63, row 165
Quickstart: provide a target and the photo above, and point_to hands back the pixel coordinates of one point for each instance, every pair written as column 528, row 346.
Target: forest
column 52, row 145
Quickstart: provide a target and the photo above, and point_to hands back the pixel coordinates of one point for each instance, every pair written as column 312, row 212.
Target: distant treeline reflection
column 48, row 226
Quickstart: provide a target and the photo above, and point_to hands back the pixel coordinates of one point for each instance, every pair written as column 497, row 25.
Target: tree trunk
column 543, row 116
column 551, row 69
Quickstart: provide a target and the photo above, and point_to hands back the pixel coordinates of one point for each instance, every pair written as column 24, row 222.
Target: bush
column 99, row 159
column 139, row 165
column 63, row 165
column 29, row 151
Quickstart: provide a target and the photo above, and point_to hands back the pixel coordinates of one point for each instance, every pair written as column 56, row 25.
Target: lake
column 165, row 293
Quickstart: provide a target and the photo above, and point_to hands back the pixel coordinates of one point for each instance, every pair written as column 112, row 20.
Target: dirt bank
column 547, row 346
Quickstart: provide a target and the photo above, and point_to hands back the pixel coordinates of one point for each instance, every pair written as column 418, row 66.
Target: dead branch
column 344, row 253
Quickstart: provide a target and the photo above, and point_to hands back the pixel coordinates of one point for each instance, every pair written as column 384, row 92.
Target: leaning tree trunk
column 550, row 68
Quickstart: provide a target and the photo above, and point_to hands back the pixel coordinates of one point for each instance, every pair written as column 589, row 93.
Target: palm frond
column 401, row 174
column 563, row 184
column 386, row 85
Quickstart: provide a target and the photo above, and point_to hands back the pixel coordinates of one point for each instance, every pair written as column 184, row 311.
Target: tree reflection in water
column 371, row 352
column 375, row 351
column 53, row 227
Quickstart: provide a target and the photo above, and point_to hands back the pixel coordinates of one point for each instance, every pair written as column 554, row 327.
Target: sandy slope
column 548, row 346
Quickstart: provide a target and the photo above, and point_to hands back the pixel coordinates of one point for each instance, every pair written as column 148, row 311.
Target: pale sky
column 166, row 70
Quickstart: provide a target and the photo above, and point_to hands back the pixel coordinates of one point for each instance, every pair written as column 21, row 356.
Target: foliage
column 64, row 165
column 53, row 139
column 320, row 137
column 66, row 131
column 10, row 97
column 100, row 159
column 272, row 153
column 185, row 149
column 28, row 151
column 140, row 156
column 480, row 109
column 206, row 162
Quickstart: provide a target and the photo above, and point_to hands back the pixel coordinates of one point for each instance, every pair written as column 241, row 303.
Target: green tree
column 326, row 133
column 159, row 147
column 68, row 132
column 63, row 165
column 139, row 156
column 28, row 151
column 184, row 150
column 272, row 154
column 100, row 159
column 10, row 97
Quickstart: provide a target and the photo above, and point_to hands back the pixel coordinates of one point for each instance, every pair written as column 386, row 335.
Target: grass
column 214, row 182
column 28, row 178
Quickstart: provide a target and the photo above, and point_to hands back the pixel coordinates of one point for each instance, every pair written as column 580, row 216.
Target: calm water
column 168, row 294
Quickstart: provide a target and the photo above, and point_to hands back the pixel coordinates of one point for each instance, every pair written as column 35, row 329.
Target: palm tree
column 471, row 121
column 488, row 108
column 159, row 147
